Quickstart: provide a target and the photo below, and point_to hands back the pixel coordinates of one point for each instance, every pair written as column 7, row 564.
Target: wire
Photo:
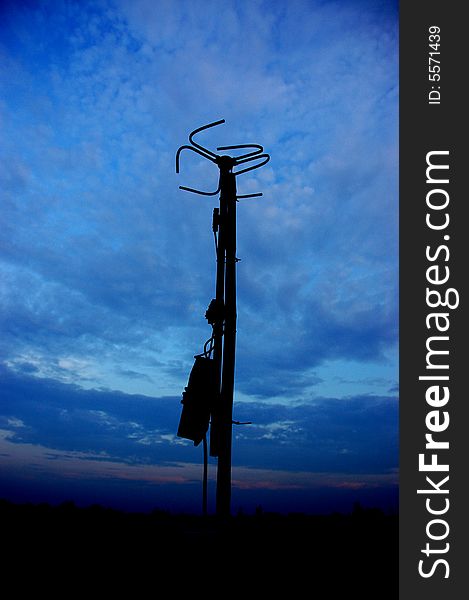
column 208, row 347
column 205, row 479
column 210, row 350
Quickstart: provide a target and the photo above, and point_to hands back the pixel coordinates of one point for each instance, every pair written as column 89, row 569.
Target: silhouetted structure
column 329, row 556
column 221, row 314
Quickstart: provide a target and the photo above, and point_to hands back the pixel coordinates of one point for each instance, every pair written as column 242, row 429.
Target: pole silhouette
column 221, row 314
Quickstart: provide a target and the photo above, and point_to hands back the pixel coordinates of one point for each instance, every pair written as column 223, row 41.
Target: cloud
column 105, row 446
column 326, row 434
column 108, row 268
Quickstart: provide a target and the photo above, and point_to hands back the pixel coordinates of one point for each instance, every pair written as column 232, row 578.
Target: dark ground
column 103, row 551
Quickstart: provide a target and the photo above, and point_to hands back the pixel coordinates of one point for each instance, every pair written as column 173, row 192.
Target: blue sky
column 107, row 267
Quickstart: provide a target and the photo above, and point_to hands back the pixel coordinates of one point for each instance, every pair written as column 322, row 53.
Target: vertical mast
column 228, row 200
column 223, row 317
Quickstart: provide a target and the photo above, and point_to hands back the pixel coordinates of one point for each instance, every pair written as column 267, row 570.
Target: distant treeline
column 357, row 552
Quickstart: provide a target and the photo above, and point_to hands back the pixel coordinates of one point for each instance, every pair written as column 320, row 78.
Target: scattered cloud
column 326, row 434
column 107, row 267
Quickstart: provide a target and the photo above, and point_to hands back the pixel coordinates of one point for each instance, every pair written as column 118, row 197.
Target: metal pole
column 215, row 431
column 224, row 321
column 205, row 479
column 225, row 414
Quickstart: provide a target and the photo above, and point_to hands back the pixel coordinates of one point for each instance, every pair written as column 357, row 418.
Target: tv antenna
column 208, row 398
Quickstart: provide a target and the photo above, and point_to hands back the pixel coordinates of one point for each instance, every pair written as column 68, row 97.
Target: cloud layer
column 53, row 430
column 107, row 267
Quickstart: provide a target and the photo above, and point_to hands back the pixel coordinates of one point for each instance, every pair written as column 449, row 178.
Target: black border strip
column 425, row 128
